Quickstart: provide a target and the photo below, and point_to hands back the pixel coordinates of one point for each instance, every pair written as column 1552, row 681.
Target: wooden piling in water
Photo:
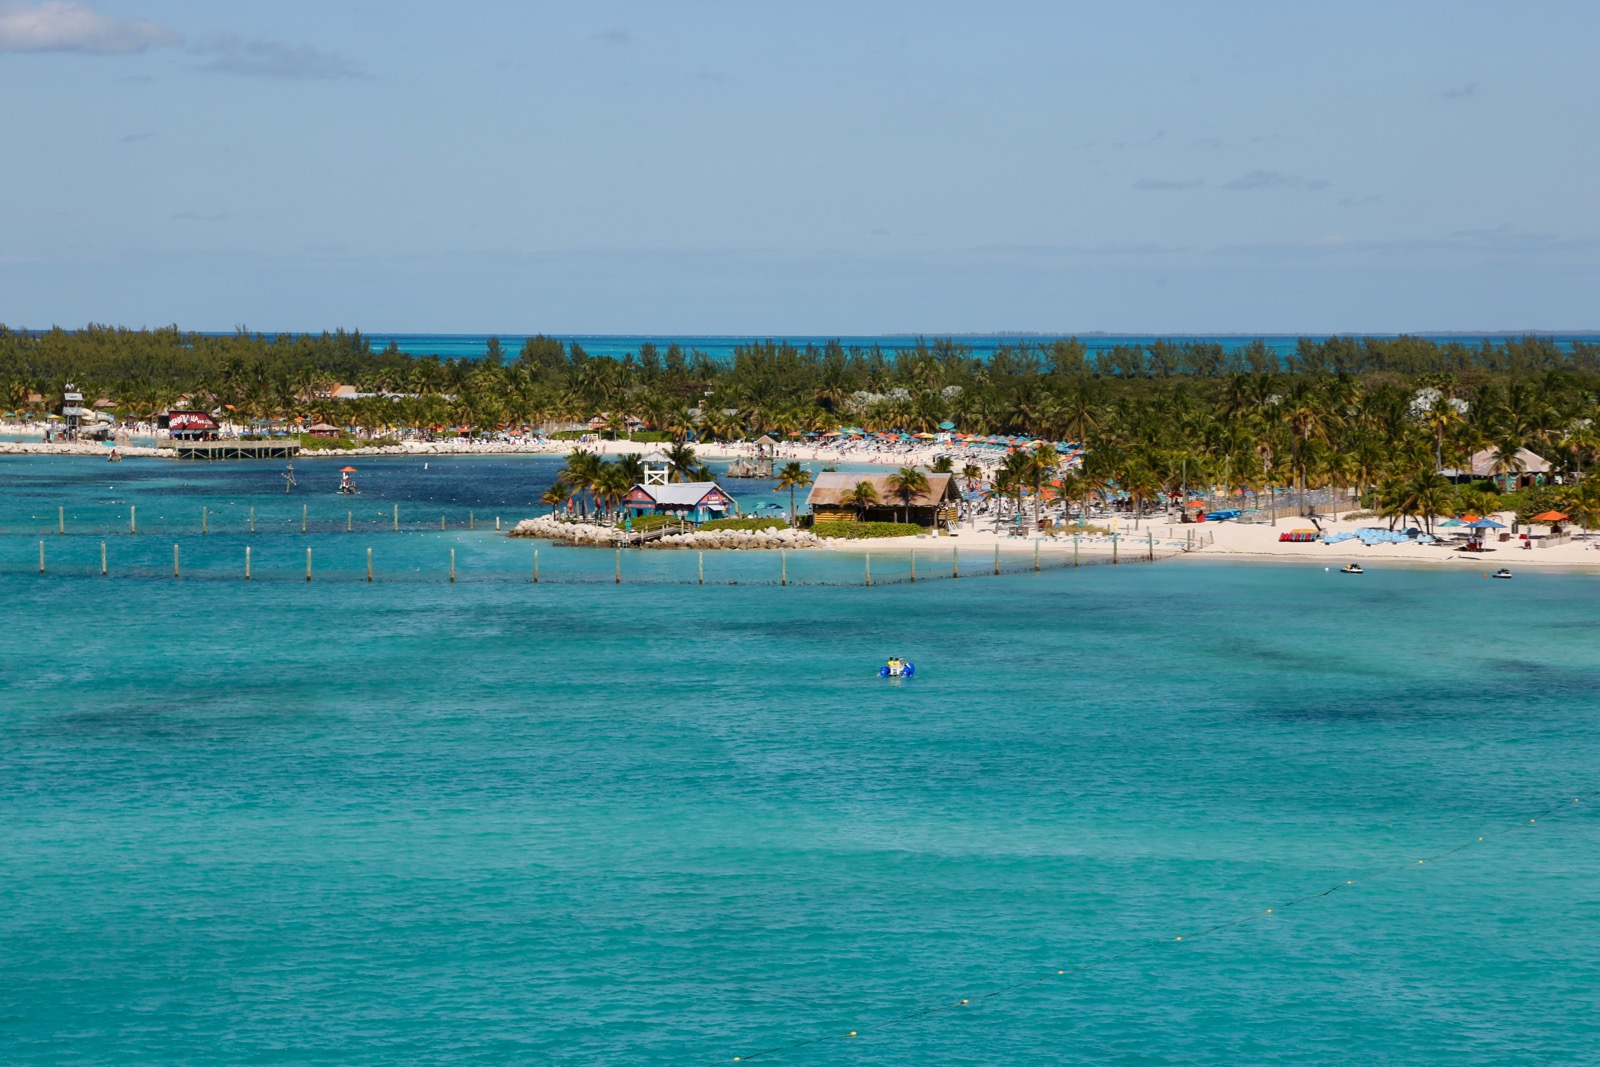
column 1150, row 539
column 61, row 520
column 472, row 520
column 133, row 519
column 955, row 562
column 247, row 563
column 783, row 567
column 176, row 573
column 536, row 566
column 497, row 524
column 303, row 518
column 869, row 568
column 997, row 559
column 619, row 566
column 41, row 557
column 252, row 520
column 1074, row 550
column 452, row 565
column 1114, row 539
column 397, row 518
column 369, row 565
column 441, row 524
column 702, row 565
column 308, row 564
column 102, row 559
column 1036, row 557
column 349, row 521
column 205, row 520
column 913, row 566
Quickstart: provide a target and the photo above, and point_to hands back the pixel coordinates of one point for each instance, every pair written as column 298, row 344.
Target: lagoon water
column 580, row 823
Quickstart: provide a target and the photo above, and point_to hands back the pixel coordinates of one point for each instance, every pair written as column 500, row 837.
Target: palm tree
column 1042, row 463
column 558, row 493
column 792, row 476
column 611, row 484
column 906, row 483
column 861, row 497
column 581, row 472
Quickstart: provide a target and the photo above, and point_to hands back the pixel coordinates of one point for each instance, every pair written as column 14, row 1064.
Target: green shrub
column 753, row 525
column 651, row 522
column 858, row 530
column 309, row 443
column 651, row 436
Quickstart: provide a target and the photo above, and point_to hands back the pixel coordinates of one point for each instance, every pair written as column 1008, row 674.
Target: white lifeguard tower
column 656, row 468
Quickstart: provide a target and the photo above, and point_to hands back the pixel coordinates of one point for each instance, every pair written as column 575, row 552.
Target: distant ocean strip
column 473, row 346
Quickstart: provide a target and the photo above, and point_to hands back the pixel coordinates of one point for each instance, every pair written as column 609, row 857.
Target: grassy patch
column 859, row 530
column 754, row 525
column 651, row 522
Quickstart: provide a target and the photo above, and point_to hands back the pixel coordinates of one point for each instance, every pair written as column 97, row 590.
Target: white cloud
column 274, row 59
column 57, row 26
column 1271, row 179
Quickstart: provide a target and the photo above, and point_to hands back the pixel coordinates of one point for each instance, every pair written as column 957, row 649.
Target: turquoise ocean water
column 721, row 347
column 579, row 823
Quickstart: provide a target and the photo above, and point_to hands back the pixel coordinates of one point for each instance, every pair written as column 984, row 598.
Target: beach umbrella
column 1485, row 524
column 1195, row 504
column 347, row 470
column 1452, row 522
column 1550, row 516
column 947, row 426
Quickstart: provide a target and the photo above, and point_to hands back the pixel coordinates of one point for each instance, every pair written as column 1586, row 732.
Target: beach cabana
column 1524, row 468
column 694, row 501
column 932, row 509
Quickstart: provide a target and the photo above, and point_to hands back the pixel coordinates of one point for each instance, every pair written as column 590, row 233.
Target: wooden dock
column 209, row 450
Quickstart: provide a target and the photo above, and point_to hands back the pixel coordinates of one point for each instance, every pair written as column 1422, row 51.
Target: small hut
column 933, row 509
column 692, row 501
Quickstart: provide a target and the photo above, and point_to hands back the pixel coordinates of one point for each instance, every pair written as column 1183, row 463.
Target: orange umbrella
column 1550, row 516
column 1195, row 504
column 347, row 470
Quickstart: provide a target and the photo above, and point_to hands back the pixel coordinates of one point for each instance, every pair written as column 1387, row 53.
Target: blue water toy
column 897, row 668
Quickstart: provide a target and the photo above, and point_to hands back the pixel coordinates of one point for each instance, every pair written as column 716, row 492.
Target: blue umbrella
column 1485, row 524
column 947, row 426
column 1452, row 522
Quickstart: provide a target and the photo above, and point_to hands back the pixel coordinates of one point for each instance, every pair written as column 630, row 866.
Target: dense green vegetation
column 867, row 530
column 1380, row 416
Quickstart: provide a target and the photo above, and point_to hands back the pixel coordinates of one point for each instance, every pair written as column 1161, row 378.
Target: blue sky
column 831, row 168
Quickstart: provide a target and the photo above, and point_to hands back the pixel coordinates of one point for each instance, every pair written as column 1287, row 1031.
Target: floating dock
column 208, row 450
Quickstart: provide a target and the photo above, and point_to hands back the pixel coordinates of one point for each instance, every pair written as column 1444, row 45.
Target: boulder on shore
column 583, row 533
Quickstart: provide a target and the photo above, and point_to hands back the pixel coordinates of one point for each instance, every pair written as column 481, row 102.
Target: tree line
column 1380, row 416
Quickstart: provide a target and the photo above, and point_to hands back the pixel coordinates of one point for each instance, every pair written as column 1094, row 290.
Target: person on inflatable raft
column 897, row 668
